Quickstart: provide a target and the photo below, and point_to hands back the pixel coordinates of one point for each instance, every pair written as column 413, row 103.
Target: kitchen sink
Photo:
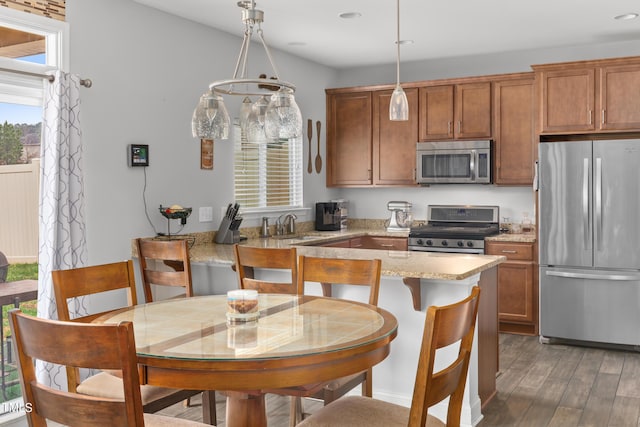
column 287, row 236
column 306, row 236
column 320, row 234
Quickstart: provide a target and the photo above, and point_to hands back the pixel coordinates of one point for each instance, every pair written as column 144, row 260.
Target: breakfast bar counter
column 424, row 265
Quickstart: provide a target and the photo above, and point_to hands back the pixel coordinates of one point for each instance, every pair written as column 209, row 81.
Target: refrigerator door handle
column 598, row 202
column 592, row 276
column 585, row 203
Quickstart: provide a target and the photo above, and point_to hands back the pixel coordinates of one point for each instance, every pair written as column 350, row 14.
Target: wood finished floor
column 538, row 386
column 563, row 385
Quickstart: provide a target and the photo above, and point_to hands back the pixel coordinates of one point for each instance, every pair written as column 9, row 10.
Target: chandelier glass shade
column 254, row 125
column 210, row 119
column 398, row 106
column 283, row 119
column 271, row 116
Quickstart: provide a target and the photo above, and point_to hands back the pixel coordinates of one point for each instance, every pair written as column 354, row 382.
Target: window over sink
column 267, row 175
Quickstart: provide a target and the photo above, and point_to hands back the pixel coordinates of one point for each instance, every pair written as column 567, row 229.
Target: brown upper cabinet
column 349, row 136
column 514, row 131
column 365, row 148
column 394, row 142
column 456, row 111
column 584, row 96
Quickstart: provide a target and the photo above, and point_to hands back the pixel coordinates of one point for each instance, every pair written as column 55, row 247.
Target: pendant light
column 284, row 122
column 398, row 106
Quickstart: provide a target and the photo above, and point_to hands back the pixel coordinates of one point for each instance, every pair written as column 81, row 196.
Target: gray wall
column 149, row 68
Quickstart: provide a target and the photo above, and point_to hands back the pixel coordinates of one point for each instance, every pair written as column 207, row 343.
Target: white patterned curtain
column 62, row 224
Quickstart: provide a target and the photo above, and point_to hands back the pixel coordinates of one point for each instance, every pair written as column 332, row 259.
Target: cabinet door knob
column 505, row 251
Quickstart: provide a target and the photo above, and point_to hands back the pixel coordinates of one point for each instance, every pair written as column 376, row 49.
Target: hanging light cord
column 398, row 43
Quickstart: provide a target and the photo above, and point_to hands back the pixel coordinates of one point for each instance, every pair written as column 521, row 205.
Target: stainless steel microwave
column 453, row 162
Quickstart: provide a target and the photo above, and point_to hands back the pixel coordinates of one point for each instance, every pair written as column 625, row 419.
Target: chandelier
column 272, row 116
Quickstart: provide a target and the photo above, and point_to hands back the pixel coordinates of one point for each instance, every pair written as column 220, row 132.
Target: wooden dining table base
column 245, row 409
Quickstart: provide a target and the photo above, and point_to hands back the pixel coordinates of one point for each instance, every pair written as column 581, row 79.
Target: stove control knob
column 445, row 243
column 419, row 242
column 429, row 242
column 460, row 243
column 470, row 244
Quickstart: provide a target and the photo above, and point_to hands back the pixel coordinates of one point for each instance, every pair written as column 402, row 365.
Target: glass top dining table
column 297, row 340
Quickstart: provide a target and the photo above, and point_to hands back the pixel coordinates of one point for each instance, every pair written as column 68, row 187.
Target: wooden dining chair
column 328, row 272
column 85, row 345
column 248, row 258
column 444, row 326
column 97, row 280
column 155, row 256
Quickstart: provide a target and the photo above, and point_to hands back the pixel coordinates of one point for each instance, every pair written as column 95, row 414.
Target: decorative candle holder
column 242, row 306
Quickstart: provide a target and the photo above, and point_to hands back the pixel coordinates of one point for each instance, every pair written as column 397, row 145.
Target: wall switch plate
column 205, row 214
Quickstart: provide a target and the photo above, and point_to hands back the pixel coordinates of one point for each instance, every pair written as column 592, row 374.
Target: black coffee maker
column 328, row 216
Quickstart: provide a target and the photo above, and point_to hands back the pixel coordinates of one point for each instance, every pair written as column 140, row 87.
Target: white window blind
column 267, row 175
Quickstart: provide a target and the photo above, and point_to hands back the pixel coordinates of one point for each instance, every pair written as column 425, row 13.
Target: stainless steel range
column 455, row 228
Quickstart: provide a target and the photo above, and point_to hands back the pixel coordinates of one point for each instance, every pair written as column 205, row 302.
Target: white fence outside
column 19, row 195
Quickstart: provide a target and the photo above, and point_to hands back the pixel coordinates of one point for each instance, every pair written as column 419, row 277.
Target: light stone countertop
column 515, row 237
column 426, row 265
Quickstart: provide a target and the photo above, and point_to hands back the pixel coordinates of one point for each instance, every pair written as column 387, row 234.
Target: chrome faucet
column 286, row 224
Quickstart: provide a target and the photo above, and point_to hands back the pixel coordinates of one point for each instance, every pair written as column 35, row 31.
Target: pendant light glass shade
column 256, row 120
column 283, row 119
column 398, row 106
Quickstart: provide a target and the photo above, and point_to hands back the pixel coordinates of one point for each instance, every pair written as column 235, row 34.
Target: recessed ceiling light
column 626, row 16
column 350, row 15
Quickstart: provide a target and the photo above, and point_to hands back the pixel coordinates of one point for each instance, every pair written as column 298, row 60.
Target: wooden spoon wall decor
column 309, row 135
column 318, row 158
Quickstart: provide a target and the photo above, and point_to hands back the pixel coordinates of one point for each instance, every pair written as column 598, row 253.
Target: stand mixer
column 401, row 217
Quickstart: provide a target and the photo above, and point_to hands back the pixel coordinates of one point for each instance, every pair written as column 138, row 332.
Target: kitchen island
column 411, row 281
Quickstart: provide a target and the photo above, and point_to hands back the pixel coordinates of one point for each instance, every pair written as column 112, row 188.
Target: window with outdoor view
column 267, row 175
column 30, row 46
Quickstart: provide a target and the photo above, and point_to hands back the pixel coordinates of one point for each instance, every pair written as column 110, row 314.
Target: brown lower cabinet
column 517, row 287
column 345, row 243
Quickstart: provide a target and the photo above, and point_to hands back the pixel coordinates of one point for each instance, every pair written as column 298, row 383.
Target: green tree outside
column 10, row 145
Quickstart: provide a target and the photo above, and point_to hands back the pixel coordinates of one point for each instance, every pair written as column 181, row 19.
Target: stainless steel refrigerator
column 589, row 220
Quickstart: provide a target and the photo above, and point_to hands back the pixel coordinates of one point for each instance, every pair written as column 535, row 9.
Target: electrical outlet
column 205, row 214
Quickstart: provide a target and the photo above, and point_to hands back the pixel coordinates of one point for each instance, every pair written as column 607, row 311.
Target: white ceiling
column 440, row 28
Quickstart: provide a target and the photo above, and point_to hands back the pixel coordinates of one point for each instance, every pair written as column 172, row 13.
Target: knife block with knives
column 228, row 232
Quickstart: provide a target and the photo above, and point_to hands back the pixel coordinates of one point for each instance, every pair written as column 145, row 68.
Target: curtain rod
column 84, row 82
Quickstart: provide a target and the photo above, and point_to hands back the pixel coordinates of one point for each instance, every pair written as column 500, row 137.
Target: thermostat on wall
column 138, row 155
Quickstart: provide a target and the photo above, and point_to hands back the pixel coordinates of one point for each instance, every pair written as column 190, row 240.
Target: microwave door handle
column 472, row 166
